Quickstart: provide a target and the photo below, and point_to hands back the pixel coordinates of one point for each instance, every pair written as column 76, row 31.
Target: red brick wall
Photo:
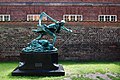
column 90, row 13
column 87, row 42
column 113, row 1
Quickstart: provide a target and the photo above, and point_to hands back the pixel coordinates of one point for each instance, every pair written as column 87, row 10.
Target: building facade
column 69, row 10
column 95, row 25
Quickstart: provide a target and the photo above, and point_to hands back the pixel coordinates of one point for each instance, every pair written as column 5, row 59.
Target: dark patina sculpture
column 40, row 57
column 38, row 45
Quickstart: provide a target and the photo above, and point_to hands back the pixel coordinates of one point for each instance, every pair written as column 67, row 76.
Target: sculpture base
column 58, row 72
column 39, row 64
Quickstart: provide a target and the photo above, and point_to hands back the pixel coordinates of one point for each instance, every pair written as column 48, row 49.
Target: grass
column 72, row 69
column 113, row 78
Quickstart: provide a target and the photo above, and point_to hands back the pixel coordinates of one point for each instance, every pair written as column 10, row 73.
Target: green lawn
column 74, row 70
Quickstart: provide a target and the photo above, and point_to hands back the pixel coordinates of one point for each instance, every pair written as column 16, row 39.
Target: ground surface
column 74, row 71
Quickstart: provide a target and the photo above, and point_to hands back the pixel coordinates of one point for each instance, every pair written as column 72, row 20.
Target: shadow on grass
column 33, row 77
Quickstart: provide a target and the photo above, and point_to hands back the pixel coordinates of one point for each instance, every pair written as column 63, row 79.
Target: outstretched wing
column 43, row 14
column 40, row 26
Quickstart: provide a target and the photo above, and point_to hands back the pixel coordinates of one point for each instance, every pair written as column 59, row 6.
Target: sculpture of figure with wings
column 38, row 45
column 50, row 29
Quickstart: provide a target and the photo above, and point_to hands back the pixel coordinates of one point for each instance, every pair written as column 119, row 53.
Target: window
column 112, row 18
column 4, row 17
column 72, row 18
column 66, row 17
column 35, row 17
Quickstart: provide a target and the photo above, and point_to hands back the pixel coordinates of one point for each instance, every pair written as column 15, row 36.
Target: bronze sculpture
column 38, row 45
column 40, row 57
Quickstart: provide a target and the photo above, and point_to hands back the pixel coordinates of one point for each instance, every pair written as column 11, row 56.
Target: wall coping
column 82, row 23
column 62, row 3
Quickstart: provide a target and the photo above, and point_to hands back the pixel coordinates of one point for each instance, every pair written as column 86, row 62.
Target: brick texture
column 113, row 1
column 90, row 13
column 87, row 42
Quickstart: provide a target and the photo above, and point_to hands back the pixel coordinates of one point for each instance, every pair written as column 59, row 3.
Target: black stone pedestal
column 39, row 64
